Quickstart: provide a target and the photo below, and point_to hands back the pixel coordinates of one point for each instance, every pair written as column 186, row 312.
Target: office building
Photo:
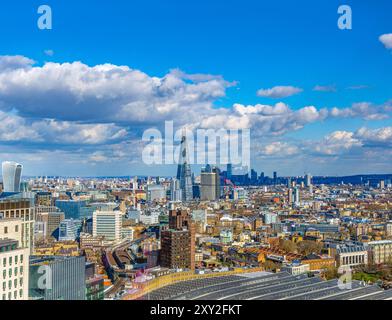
column 57, row 278
column 208, row 186
column 69, row 230
column 107, row 224
column 175, row 190
column 71, row 208
column 155, row 192
column 229, row 171
column 12, row 172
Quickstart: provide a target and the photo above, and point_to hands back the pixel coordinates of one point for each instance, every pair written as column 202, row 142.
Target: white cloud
column 14, row 63
column 105, row 93
column 386, row 40
column 328, row 88
column 364, row 110
column 16, row 128
column 279, row 92
column 381, row 137
column 279, row 148
column 337, row 142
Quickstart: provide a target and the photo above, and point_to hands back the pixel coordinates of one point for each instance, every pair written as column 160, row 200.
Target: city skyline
column 310, row 106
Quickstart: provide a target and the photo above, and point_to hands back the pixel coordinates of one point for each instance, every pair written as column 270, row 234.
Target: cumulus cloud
column 337, row 142
column 365, row 110
column 98, row 111
column 381, row 137
column 279, row 92
column 16, row 128
column 279, row 148
column 75, row 91
column 14, row 63
column 386, row 40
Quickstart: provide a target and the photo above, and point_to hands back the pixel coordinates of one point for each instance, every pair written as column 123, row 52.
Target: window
column 16, row 228
column 5, row 230
column 16, row 259
column 10, row 260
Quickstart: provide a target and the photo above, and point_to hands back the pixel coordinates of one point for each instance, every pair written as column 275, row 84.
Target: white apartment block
column 107, row 224
column 14, row 271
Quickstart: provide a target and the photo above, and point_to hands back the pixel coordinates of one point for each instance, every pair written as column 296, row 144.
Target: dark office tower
column 308, row 180
column 208, row 168
column 217, row 172
column 253, row 176
column 184, row 173
column 178, row 243
column 179, row 219
column 275, row 177
column 178, row 249
column 229, row 170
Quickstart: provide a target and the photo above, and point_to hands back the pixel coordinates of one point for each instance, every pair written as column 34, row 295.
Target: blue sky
column 250, row 45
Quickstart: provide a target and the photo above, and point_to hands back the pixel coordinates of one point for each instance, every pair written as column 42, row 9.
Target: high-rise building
column 69, row 229
column 217, row 172
column 308, row 180
column 14, row 270
column 57, row 278
column 50, row 216
column 12, row 172
column 275, row 177
column 229, row 171
column 296, row 195
column 175, row 190
column 107, row 224
column 184, row 173
column 290, row 197
column 155, row 192
column 178, row 242
column 179, row 219
column 23, row 209
column 71, row 208
column 208, row 186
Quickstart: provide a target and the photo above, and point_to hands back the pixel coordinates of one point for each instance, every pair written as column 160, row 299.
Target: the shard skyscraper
column 184, row 174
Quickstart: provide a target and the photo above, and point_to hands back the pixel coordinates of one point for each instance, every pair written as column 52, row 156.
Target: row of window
column 10, row 260
column 10, row 272
column 15, row 295
column 10, row 284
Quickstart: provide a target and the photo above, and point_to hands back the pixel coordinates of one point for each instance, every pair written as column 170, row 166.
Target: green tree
column 307, row 247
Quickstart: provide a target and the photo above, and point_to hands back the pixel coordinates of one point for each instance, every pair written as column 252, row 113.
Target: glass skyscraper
column 184, row 173
column 12, row 172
